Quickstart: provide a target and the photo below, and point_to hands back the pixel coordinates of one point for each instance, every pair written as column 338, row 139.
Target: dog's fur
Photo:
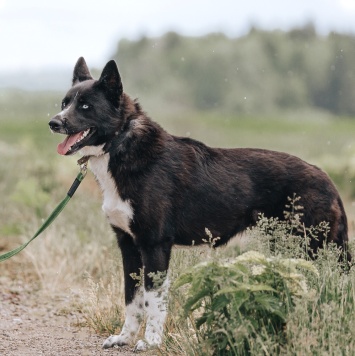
column 160, row 190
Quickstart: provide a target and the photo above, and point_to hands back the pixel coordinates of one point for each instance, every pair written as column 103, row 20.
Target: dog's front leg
column 156, row 286
column 134, row 294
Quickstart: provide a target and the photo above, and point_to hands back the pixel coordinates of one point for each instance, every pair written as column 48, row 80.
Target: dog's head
column 90, row 110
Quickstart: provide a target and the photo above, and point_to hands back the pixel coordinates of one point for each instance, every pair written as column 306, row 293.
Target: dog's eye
column 85, row 106
column 63, row 105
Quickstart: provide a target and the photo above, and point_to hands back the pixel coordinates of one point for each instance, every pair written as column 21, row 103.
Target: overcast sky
column 38, row 34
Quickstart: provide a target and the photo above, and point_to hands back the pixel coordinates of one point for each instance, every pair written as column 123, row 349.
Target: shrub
column 243, row 303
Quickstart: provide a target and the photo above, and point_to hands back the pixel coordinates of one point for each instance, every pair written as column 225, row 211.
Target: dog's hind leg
column 156, row 286
column 134, row 295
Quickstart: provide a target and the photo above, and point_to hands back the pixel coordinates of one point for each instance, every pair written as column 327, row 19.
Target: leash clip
column 83, row 164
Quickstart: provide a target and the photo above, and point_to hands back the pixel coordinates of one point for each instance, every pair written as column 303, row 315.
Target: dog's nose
column 55, row 124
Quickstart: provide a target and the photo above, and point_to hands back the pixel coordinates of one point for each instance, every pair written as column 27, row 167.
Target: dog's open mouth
column 74, row 142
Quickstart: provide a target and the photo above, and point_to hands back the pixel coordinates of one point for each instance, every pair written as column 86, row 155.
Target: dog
column 160, row 190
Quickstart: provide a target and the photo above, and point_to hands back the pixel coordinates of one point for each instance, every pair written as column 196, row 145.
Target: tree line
column 260, row 72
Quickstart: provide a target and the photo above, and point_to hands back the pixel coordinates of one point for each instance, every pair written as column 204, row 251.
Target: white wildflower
column 251, row 256
column 257, row 270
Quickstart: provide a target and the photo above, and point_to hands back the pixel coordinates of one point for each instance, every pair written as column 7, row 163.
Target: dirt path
column 33, row 323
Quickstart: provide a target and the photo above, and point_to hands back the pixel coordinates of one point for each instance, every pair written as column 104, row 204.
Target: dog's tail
column 342, row 233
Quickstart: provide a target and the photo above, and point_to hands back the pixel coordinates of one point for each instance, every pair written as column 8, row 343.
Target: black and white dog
column 160, row 190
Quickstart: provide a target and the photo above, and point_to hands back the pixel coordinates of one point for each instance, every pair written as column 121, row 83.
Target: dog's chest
column 119, row 212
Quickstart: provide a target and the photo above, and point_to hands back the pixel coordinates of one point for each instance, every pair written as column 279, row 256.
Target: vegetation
column 241, row 303
column 260, row 72
column 272, row 305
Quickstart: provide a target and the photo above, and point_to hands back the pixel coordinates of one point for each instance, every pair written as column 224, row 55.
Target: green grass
column 316, row 137
column 309, row 137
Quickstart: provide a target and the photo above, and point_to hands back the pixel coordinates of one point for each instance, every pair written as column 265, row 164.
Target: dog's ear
column 110, row 82
column 81, row 72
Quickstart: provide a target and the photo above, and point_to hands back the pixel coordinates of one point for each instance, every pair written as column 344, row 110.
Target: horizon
column 42, row 35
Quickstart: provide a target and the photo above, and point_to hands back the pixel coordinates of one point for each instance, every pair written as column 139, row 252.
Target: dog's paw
column 115, row 340
column 140, row 346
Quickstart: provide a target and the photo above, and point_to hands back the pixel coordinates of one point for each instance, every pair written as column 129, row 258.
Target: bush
column 243, row 303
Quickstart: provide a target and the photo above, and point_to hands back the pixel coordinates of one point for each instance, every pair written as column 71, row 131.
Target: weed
column 102, row 305
column 237, row 303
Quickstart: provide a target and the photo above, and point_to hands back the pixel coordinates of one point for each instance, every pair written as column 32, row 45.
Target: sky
column 39, row 34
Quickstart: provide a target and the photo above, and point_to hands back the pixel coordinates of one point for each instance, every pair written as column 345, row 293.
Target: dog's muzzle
column 56, row 124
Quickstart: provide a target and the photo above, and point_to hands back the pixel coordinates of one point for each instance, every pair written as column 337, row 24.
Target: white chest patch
column 119, row 212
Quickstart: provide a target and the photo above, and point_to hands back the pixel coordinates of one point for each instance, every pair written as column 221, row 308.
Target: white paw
column 140, row 346
column 114, row 340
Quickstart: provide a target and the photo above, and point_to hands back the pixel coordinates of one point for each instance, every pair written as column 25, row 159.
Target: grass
column 78, row 252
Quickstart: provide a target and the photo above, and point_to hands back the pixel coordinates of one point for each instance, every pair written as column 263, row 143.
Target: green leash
column 83, row 169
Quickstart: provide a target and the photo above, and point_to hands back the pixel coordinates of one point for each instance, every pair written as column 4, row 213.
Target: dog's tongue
column 63, row 147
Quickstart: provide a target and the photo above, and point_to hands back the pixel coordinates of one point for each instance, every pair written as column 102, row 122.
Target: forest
column 263, row 71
